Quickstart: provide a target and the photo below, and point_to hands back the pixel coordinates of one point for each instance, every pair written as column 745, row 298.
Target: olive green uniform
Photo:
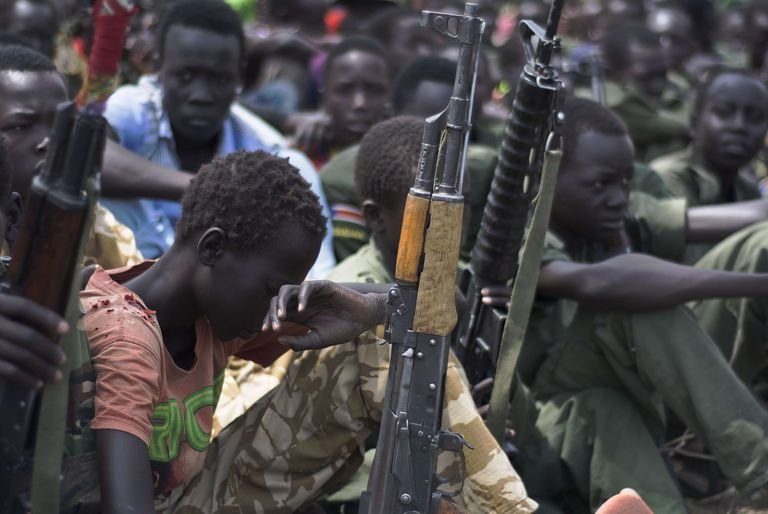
column 736, row 325
column 700, row 186
column 654, row 131
column 601, row 379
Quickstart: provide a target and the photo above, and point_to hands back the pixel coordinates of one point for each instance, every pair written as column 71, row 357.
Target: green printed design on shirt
column 166, row 432
column 168, row 427
column 196, row 436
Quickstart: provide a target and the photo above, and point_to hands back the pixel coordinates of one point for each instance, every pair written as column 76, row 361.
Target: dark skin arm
column 127, row 175
column 335, row 313
column 710, row 223
column 125, row 476
column 636, row 282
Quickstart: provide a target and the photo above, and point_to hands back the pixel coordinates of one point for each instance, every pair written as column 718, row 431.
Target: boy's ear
column 211, row 245
column 373, row 218
column 13, row 215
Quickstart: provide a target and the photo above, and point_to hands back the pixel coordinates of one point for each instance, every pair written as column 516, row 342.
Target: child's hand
column 332, row 313
column 29, row 355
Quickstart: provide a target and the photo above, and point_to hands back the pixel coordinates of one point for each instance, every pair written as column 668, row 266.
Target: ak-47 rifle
column 494, row 261
column 45, row 267
column 421, row 308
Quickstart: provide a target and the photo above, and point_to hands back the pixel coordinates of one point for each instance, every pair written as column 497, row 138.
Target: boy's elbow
column 589, row 289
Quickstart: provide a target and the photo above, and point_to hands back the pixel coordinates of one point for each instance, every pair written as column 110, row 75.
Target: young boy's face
column 356, row 94
column 237, row 290
column 593, row 187
column 675, row 30
column 731, row 126
column 647, row 70
column 28, row 102
column 200, row 74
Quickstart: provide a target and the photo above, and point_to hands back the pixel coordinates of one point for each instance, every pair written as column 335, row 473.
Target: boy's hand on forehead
column 29, row 355
column 333, row 313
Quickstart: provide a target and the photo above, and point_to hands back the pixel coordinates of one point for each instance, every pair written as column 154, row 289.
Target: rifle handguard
column 411, row 243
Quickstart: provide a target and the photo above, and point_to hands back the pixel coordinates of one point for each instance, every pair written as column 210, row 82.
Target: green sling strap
column 523, row 293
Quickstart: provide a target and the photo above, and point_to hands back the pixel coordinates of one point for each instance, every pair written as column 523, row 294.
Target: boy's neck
column 595, row 250
column 194, row 155
column 726, row 176
column 166, row 288
column 390, row 257
column 570, row 239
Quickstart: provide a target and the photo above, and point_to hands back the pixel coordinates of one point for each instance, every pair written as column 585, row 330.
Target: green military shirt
column 480, row 165
column 655, row 227
column 646, row 180
column 366, row 265
column 700, row 186
column 654, row 131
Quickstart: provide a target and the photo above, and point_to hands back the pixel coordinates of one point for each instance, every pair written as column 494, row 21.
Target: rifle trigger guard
column 455, row 443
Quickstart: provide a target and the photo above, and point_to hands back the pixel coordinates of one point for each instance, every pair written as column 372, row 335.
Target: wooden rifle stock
column 44, row 268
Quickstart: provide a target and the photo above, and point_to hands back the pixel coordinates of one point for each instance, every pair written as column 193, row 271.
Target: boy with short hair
column 729, row 121
column 181, row 119
column 30, row 91
column 385, row 171
column 159, row 334
column 609, row 344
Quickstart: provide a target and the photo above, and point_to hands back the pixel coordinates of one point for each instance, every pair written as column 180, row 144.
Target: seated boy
column 383, row 184
column 159, row 334
column 609, row 344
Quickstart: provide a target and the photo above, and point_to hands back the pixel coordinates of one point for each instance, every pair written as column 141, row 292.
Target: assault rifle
column 494, row 261
column 421, row 309
column 45, row 267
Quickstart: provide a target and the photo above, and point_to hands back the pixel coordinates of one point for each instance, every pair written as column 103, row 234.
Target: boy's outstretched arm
column 127, row 175
column 711, row 223
column 125, row 475
column 636, row 282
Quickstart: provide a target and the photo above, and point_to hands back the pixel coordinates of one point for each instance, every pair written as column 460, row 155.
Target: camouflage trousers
column 304, row 438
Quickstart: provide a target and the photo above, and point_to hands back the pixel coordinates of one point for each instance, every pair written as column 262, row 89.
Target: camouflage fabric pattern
column 81, row 410
column 112, row 244
column 304, row 438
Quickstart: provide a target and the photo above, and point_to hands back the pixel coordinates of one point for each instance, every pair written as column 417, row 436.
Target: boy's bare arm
column 125, row 475
column 126, row 175
column 636, row 282
column 709, row 223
